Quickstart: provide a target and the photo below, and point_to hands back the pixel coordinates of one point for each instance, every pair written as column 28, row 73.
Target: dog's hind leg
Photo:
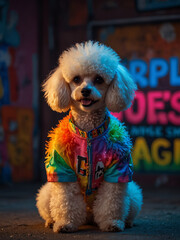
column 134, row 193
column 111, row 206
column 67, row 206
column 43, row 201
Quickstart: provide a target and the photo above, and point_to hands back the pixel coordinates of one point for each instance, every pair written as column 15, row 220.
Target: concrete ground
column 19, row 219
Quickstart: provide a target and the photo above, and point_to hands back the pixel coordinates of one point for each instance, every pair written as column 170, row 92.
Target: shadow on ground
column 19, row 219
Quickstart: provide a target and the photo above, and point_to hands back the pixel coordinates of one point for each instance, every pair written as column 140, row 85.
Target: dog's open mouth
column 86, row 102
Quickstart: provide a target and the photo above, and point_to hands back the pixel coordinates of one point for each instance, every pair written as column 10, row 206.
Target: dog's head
column 89, row 77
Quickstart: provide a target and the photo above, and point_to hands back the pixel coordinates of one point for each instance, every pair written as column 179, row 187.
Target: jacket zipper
column 90, row 166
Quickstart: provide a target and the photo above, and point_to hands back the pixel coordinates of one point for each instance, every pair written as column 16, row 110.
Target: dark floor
column 19, row 219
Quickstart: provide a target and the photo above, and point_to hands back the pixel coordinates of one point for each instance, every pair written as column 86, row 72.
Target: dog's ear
column 121, row 91
column 57, row 91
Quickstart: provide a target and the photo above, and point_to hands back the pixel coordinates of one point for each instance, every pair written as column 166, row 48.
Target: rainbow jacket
column 89, row 157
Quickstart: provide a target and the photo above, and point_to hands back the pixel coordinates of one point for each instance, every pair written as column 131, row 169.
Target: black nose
column 86, row 92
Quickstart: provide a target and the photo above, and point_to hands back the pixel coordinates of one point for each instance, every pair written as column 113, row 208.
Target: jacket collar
column 94, row 132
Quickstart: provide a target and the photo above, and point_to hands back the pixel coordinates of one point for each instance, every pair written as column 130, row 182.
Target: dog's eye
column 98, row 80
column 77, row 79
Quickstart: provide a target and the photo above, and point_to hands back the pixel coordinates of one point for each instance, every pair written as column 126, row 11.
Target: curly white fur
column 57, row 92
column 121, row 91
column 90, row 57
column 62, row 204
column 124, row 202
column 87, row 59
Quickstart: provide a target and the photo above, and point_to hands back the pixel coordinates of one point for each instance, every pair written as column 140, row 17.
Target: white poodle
column 88, row 157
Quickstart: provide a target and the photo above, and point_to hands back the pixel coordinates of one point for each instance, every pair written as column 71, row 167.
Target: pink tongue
column 85, row 102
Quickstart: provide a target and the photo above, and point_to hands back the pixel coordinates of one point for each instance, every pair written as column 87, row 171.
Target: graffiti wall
column 18, row 89
column 151, row 52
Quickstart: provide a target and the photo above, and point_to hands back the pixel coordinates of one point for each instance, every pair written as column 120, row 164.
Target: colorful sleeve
column 58, row 170
column 119, row 170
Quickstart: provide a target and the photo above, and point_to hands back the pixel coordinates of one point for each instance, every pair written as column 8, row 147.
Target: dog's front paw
column 65, row 228
column 129, row 224
column 49, row 223
column 112, row 226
